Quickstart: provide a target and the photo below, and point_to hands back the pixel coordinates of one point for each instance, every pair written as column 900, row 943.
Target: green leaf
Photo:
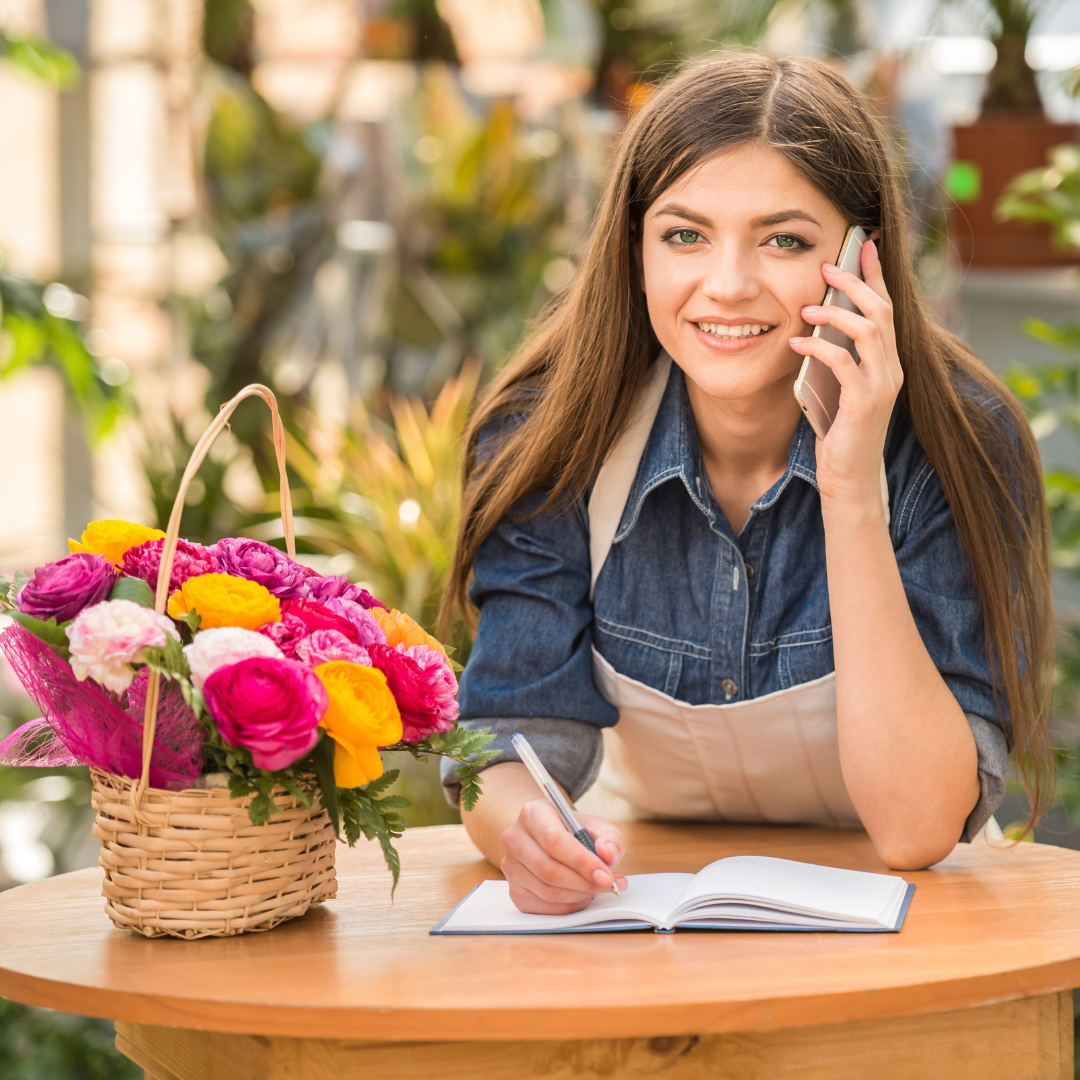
column 470, row 788
column 262, row 806
column 17, row 582
column 323, row 759
column 192, row 620
column 134, row 589
column 41, row 60
column 48, row 631
column 168, row 659
column 294, row 788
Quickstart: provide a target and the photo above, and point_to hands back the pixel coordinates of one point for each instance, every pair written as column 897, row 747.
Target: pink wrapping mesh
column 92, row 726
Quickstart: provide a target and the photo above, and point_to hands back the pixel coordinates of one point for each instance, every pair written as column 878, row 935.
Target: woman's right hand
column 551, row 873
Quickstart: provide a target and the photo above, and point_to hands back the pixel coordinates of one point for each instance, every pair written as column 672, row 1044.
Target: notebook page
column 648, row 898
column 780, row 883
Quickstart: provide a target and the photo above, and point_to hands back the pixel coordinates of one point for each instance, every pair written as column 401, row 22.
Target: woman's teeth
column 747, row 330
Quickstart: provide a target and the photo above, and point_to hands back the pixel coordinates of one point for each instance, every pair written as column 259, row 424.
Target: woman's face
column 730, row 253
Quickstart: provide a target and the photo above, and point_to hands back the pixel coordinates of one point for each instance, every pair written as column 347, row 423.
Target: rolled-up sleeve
column 993, row 751
column 570, row 750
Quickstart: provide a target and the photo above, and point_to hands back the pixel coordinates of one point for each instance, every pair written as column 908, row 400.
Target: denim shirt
column 684, row 605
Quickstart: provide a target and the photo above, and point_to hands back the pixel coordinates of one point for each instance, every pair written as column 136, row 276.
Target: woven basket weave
column 190, row 863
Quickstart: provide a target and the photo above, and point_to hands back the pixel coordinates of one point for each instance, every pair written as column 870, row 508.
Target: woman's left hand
column 849, row 457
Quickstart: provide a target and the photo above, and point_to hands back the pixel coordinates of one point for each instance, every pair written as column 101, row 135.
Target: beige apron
column 772, row 759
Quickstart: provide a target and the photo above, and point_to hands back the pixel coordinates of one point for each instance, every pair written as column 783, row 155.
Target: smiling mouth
column 730, row 332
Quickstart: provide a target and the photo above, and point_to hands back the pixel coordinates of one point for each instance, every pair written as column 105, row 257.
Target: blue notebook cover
column 719, row 925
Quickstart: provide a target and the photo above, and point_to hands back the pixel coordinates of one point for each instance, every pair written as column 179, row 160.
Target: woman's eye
column 688, row 236
column 787, row 242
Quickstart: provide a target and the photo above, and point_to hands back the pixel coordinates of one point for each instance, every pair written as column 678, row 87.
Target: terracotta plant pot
column 991, row 152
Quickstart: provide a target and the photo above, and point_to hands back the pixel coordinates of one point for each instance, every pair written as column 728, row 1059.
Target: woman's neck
column 744, row 444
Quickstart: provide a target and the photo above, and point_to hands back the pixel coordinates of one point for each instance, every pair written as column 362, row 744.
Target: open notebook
column 744, row 892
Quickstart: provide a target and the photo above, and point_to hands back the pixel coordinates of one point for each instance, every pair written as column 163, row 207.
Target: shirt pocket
column 792, row 659
column 649, row 658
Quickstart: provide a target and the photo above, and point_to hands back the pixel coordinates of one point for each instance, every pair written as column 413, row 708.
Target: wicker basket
column 190, row 863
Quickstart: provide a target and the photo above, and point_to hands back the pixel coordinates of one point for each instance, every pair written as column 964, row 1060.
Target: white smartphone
column 816, row 389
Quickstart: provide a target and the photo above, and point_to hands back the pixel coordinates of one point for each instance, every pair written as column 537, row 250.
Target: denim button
column 730, row 687
column 749, row 570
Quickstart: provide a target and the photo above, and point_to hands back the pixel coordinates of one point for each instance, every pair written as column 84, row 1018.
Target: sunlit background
column 363, row 203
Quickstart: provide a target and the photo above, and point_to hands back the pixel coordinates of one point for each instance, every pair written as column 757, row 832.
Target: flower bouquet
column 233, row 723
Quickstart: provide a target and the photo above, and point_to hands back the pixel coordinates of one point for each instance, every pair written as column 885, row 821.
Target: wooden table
column 975, row 986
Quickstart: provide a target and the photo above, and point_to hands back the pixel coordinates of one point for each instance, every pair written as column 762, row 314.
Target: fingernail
column 830, row 267
column 796, row 340
column 812, row 307
column 873, row 248
column 602, row 878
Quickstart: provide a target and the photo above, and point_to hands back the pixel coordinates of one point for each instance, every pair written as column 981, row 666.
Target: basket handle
column 172, row 533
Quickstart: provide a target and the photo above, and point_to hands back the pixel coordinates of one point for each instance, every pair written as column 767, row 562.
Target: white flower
column 109, row 637
column 223, row 645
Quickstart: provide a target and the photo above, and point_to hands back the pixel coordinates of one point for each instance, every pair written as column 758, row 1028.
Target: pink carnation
column 286, row 634
column 424, row 686
column 144, row 561
column 106, row 639
column 322, row 646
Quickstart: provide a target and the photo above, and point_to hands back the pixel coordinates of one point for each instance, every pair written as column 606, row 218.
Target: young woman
column 676, row 582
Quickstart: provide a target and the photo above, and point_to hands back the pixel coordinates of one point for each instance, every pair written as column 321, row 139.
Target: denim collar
column 673, row 450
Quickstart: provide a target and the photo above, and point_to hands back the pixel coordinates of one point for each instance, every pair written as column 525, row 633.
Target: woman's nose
column 729, row 279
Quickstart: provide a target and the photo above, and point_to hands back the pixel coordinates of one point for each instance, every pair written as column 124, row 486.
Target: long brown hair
column 577, row 376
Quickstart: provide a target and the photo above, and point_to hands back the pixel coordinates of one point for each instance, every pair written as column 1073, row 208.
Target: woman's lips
column 730, row 344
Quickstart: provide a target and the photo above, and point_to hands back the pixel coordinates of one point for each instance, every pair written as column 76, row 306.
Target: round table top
column 992, row 922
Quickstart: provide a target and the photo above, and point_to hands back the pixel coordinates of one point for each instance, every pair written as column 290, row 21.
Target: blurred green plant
column 31, row 334
column 1049, row 195
column 389, row 496
column 41, row 61
column 38, row 1044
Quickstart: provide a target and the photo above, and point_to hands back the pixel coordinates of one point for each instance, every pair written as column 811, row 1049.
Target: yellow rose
column 361, row 717
column 113, row 538
column 402, row 630
column 224, row 600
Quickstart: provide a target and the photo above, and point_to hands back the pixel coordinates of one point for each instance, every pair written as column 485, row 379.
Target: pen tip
column 615, row 889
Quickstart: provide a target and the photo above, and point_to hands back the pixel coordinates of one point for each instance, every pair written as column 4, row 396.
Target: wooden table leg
column 1028, row 1038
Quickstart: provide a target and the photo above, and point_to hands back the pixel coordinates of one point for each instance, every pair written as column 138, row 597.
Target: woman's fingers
column 863, row 332
column 530, row 893
column 539, row 841
column 872, row 272
column 608, row 839
column 875, row 305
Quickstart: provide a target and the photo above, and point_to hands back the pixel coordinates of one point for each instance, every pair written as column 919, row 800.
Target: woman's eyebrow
column 675, row 210
column 781, row 216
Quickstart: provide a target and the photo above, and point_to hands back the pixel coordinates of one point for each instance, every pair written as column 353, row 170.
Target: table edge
column 504, row 1025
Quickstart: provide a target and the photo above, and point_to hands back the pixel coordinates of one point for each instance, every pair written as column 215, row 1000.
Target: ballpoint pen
column 555, row 796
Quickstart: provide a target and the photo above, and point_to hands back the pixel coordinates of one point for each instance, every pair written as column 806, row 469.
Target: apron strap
column 617, row 474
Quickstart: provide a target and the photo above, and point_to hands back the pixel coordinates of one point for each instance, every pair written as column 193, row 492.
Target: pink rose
column 322, row 646
column 317, row 617
column 272, row 707
column 424, row 686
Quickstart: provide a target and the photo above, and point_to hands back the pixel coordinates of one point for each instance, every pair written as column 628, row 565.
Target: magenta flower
column 256, row 561
column 424, row 686
column 60, row 590
column 334, row 588
column 366, row 626
column 272, row 707
column 322, row 646
column 191, row 560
